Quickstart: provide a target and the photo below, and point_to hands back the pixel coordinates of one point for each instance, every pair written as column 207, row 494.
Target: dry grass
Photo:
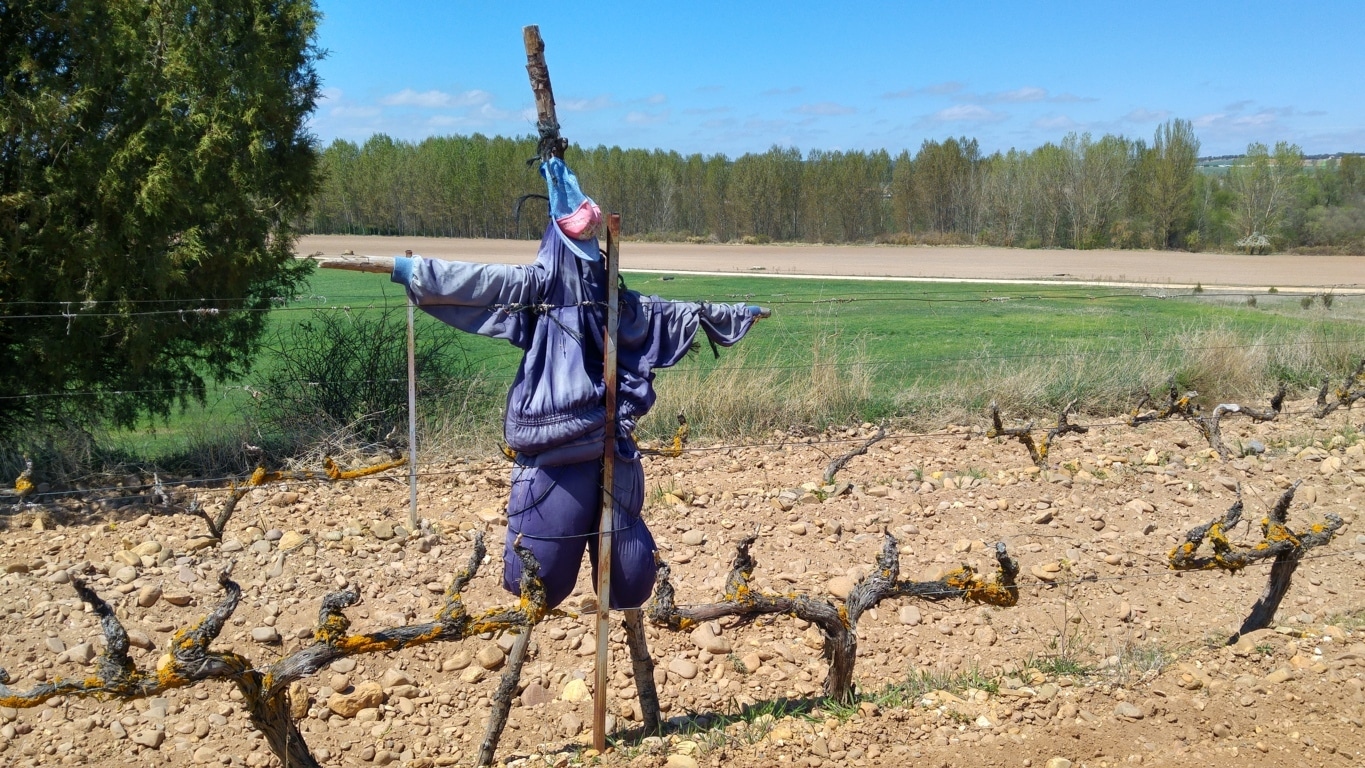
column 743, row 395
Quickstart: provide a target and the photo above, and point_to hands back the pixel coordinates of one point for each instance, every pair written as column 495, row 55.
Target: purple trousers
column 556, row 510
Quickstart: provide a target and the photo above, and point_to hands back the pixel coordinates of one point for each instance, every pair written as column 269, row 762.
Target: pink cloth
column 582, row 223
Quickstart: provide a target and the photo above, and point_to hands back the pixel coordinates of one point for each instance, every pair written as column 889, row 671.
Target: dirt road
column 914, row 262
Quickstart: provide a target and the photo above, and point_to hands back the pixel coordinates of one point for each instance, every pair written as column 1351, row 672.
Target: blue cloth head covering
column 565, row 198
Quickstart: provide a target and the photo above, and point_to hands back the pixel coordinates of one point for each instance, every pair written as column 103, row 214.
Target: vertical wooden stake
column 607, row 521
column 547, row 123
column 412, row 419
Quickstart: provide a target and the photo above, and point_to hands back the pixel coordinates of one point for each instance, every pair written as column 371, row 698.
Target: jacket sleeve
column 725, row 324
column 487, row 299
column 673, row 325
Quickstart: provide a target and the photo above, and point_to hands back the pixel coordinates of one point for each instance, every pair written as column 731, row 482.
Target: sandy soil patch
column 1141, row 267
column 1092, row 536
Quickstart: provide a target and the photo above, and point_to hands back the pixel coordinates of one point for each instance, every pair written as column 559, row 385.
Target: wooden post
column 608, row 519
column 547, row 124
column 413, row 522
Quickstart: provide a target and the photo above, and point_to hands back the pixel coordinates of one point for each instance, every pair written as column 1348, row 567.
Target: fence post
column 413, row 521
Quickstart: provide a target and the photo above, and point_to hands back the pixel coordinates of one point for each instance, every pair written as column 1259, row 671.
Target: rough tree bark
column 1036, row 450
column 838, row 623
column 1278, row 541
column 1346, row 395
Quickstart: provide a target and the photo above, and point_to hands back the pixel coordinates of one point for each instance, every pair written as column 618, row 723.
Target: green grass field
column 839, row 350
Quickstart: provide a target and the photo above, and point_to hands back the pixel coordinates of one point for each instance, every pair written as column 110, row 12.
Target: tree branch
column 838, row 464
column 1036, row 451
column 1278, row 541
column 838, row 623
column 190, row 660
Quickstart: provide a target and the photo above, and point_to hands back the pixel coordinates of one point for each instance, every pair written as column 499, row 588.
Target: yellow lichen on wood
column 335, row 472
column 356, row 644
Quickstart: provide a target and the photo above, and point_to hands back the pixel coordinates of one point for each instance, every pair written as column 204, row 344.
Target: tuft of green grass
column 1059, row 666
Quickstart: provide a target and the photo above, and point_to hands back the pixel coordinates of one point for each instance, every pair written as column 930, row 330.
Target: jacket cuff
column 402, row 270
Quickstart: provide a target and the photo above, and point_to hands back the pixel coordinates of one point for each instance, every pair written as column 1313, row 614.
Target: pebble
column 910, row 616
column 126, row 574
column 1128, row 710
column 148, row 595
column 683, row 668
column 268, row 635
column 1059, row 762
column 706, row 638
column 680, row 761
column 139, row 639
column 83, row 653
column 535, row 694
column 693, row 537
column 59, row 576
column 382, row 530
column 490, row 657
column 367, row 695
column 292, row 540
column 577, row 691
column 151, row 737
column 457, row 662
column 147, row 548
column 840, row 586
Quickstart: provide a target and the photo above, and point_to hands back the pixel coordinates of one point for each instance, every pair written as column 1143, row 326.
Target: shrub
column 341, row 377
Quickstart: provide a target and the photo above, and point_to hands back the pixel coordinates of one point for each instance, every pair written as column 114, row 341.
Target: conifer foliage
column 153, row 160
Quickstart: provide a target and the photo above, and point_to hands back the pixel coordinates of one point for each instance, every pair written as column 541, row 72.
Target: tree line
column 1083, row 192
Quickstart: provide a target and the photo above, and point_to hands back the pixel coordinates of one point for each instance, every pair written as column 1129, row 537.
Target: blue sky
column 736, row 77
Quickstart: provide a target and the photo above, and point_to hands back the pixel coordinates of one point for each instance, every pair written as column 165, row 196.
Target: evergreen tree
column 153, row 158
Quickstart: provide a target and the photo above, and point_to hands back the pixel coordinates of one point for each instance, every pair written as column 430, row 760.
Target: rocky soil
column 1109, row 658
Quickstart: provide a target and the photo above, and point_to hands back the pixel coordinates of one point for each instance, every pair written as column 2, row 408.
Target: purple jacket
column 554, row 310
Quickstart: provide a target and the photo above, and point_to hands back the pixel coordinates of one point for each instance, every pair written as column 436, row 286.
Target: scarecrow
column 554, row 311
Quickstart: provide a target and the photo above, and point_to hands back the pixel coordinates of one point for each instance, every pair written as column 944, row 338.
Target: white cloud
column 823, row 108
column 436, row 99
column 1144, row 115
column 1026, row 95
column 594, row 104
column 647, row 118
column 966, row 113
column 1021, row 95
column 1056, row 123
column 946, row 88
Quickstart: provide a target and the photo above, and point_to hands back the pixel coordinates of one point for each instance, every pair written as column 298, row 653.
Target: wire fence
column 179, row 495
